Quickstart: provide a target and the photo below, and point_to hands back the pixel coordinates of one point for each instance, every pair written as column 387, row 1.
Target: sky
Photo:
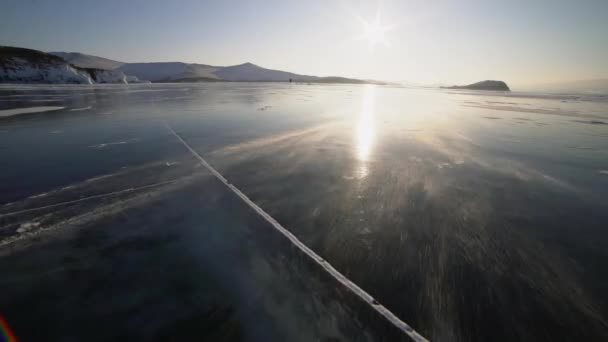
column 421, row 42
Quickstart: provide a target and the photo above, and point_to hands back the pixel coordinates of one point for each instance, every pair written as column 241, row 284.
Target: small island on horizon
column 483, row 85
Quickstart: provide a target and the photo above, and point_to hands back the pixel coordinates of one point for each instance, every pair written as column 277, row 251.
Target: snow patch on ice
column 104, row 145
column 94, row 179
column 28, row 110
column 44, row 194
column 79, row 109
column 444, row 165
column 27, row 226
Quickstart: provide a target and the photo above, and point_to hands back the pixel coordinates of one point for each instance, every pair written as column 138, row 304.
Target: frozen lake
column 472, row 216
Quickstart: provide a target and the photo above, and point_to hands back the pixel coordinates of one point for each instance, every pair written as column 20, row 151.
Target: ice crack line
column 113, row 193
column 342, row 279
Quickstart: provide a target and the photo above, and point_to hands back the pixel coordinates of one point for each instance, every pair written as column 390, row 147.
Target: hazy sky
column 462, row 41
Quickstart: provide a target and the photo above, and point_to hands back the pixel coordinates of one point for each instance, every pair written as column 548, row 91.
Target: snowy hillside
column 25, row 65
column 21, row 72
column 252, row 72
column 247, row 72
column 88, row 61
column 169, row 71
column 18, row 65
column 30, row 66
column 113, row 76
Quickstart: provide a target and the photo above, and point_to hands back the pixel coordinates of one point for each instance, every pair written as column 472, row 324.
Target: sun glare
column 374, row 32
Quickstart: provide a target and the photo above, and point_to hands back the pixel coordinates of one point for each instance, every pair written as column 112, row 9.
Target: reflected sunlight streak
column 366, row 129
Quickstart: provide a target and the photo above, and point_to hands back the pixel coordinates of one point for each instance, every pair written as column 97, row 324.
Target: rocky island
column 483, row 85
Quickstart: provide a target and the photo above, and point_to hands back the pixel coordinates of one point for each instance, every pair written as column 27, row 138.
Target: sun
column 374, row 32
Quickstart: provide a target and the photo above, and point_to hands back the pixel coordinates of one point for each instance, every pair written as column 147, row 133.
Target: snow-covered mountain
column 170, row 71
column 192, row 72
column 177, row 71
column 88, row 61
column 247, row 72
column 74, row 67
column 180, row 72
column 252, row 72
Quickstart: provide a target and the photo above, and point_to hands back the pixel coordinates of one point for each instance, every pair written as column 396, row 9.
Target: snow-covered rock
column 18, row 65
column 18, row 70
column 113, row 76
column 108, row 76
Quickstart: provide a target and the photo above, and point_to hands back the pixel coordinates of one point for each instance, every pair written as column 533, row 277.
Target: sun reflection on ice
column 365, row 131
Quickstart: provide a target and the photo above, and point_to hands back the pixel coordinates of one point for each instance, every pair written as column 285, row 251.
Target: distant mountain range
column 19, row 65
column 189, row 72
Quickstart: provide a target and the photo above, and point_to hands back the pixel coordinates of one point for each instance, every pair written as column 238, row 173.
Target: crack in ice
column 342, row 279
